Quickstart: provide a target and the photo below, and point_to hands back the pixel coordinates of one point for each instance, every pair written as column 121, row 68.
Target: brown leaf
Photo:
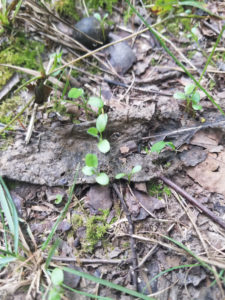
column 210, row 174
column 98, row 197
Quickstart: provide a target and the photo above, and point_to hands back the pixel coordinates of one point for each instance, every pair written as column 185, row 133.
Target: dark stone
column 90, row 27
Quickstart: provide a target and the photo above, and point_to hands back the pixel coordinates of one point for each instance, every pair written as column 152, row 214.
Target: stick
column 194, row 202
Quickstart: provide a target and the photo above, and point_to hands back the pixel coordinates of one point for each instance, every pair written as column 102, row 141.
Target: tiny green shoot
column 57, row 278
column 159, row 146
column 58, row 199
column 76, row 93
column 135, row 169
column 191, row 97
column 102, row 22
column 90, row 168
column 101, row 122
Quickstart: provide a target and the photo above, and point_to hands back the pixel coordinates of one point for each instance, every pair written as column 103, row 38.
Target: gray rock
column 89, row 32
column 122, row 57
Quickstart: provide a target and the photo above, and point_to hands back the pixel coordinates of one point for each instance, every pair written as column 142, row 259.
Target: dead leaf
column 194, row 156
column 124, row 149
column 211, row 173
column 98, row 197
column 207, row 139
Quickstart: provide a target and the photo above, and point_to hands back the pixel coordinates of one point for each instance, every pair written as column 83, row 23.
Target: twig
column 163, row 135
column 192, row 200
column 136, row 88
column 131, row 232
column 31, row 124
column 87, row 261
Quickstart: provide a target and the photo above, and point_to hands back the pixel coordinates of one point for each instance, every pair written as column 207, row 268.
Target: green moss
column 212, row 84
column 96, row 228
column 21, row 52
column 95, row 4
column 77, row 221
column 191, row 53
column 66, row 8
column 8, row 109
column 158, row 190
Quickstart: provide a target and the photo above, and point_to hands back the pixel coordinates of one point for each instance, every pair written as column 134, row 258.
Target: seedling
column 135, row 169
column 191, row 97
column 96, row 102
column 58, row 199
column 56, row 61
column 159, row 146
column 91, row 162
column 102, row 22
column 75, row 93
column 57, row 278
column 101, row 122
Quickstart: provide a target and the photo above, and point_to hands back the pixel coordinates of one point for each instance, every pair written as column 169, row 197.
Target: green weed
column 135, row 170
column 91, row 168
column 191, row 97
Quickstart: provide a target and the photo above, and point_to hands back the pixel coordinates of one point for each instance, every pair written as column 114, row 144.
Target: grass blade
column 51, row 253
column 4, row 261
column 213, row 50
column 10, row 212
column 107, row 283
column 85, row 294
column 190, row 252
column 173, row 268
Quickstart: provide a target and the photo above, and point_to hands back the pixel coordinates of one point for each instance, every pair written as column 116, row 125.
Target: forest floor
column 150, row 217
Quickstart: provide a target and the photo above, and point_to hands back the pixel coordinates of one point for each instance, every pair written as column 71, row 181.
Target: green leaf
column 54, row 294
column 96, row 102
column 101, row 122
column 107, row 283
column 105, row 16
column 97, row 16
column 10, row 212
column 88, row 171
column 93, row 131
column 196, row 106
column 58, row 199
column 75, row 93
column 91, row 160
column 179, row 96
column 136, row 169
column 57, row 276
column 120, row 175
column 102, row 179
column 195, row 98
column 7, row 259
column 171, row 145
column 197, row 4
column 189, row 88
column 194, row 30
column 157, row 147
column 104, row 146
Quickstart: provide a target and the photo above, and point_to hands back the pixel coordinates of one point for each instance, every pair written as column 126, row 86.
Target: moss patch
column 8, row 109
column 21, row 52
